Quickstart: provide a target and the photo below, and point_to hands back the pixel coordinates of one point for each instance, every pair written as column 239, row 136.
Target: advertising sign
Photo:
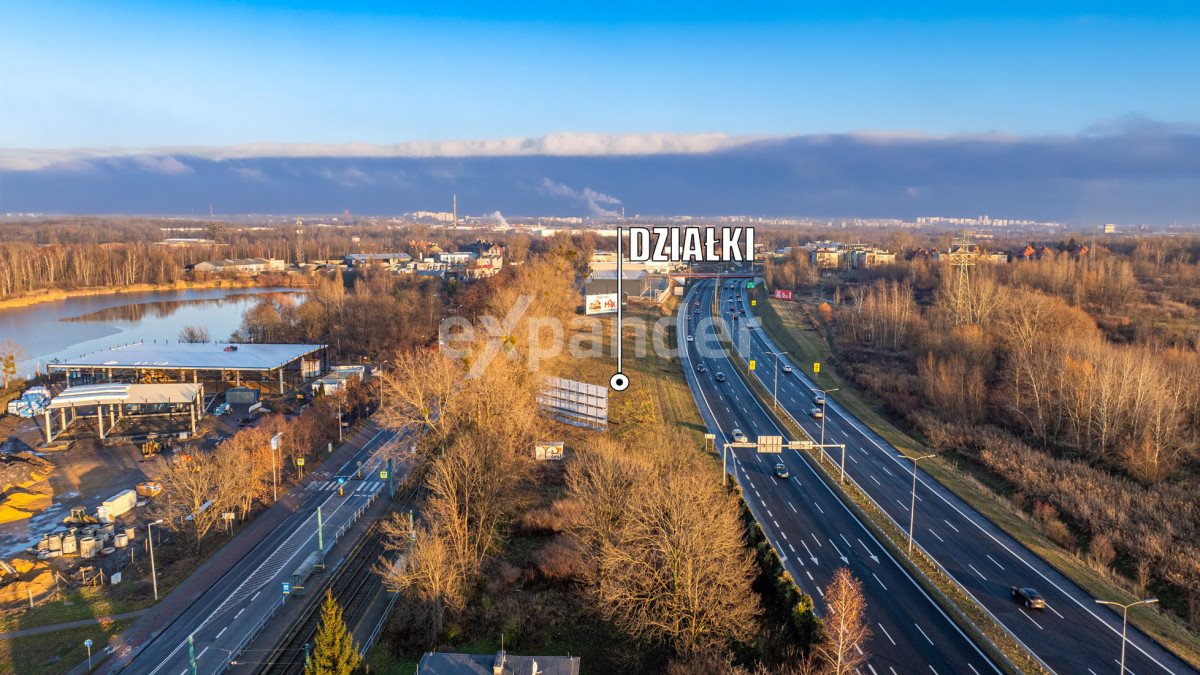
column 781, row 294
column 604, row 303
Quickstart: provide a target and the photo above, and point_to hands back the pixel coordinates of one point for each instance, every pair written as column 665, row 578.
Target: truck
column 116, row 506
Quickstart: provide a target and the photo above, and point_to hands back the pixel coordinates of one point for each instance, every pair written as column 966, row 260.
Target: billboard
column 552, row 451
column 604, row 303
column 781, row 294
column 576, row 403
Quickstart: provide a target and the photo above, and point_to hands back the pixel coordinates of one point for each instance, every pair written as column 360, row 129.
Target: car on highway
column 819, row 399
column 700, row 368
column 735, row 317
column 691, row 339
column 738, row 436
column 720, row 377
column 817, row 413
column 1029, row 597
column 787, row 369
column 781, row 471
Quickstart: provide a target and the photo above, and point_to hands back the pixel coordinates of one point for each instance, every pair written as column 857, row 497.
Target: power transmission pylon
column 962, row 259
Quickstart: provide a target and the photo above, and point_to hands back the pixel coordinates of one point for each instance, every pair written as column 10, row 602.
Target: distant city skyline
column 136, row 74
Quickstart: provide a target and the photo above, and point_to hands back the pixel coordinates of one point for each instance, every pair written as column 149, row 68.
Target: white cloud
column 565, row 144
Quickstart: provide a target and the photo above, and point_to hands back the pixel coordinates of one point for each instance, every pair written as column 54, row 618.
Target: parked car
column 1029, row 597
column 738, row 436
column 781, row 471
column 720, row 377
column 817, row 413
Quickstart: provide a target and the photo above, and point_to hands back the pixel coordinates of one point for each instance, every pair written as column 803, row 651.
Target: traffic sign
column 383, row 474
column 710, row 437
column 749, row 284
column 772, row 445
column 287, row 587
column 752, row 364
column 87, row 643
column 300, row 461
column 341, row 480
column 816, row 367
column 754, row 303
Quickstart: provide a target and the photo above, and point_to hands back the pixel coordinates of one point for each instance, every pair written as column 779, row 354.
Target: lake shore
column 55, row 295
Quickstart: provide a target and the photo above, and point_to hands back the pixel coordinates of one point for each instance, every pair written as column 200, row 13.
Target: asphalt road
column 811, row 529
column 1072, row 635
column 230, row 612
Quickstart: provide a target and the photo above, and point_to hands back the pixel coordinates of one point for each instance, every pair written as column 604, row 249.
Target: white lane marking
column 972, row 669
column 793, row 507
column 201, row 654
column 951, row 525
column 776, row 522
column 1026, row 615
column 222, row 632
column 810, row 577
column 872, row 669
column 977, row 571
column 1054, row 610
column 889, row 635
column 819, row 508
column 255, row 596
column 880, row 581
column 876, row 480
column 239, row 612
column 792, row 548
column 815, row 539
column 769, row 514
column 936, row 535
column 994, row 561
column 923, row 634
column 902, row 504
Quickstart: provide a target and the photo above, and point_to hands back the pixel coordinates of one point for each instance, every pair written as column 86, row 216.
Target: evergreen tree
column 334, row 651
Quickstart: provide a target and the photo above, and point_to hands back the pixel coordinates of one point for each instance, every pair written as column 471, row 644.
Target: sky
column 164, row 73
column 1045, row 110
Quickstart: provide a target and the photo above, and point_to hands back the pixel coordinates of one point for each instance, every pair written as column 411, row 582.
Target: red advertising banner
column 782, row 294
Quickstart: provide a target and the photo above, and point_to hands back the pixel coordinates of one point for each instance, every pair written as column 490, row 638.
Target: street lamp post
column 382, row 383
column 150, row 541
column 339, row 423
column 824, row 400
column 1125, row 621
column 775, row 393
column 912, row 509
column 274, row 468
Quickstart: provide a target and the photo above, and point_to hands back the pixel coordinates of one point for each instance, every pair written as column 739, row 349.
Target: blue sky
column 138, row 74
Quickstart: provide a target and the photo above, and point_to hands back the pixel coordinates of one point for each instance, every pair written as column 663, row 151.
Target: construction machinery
column 79, row 516
column 151, row 448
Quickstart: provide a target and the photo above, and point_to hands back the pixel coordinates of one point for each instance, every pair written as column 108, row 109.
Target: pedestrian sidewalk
column 82, row 623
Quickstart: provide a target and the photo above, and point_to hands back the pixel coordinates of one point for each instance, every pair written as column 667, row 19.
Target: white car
column 819, row 399
column 691, row 338
column 787, row 369
column 738, row 436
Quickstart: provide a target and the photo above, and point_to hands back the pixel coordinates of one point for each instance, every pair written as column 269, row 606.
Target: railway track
column 354, row 585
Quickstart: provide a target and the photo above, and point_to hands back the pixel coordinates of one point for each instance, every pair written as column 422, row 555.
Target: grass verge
column 791, row 329
column 56, row 652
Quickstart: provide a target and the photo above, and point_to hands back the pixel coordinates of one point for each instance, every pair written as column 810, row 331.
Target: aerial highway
column 231, row 612
column 808, row 525
column 1072, row 634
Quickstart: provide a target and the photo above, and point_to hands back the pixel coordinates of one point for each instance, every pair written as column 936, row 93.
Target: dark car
column 1029, row 597
column 720, row 377
column 246, row 421
column 781, row 471
column 700, row 368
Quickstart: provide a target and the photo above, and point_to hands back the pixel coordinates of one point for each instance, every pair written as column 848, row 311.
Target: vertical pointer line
column 620, row 298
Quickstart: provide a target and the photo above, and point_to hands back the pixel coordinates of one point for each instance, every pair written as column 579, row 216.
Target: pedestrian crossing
column 361, row 487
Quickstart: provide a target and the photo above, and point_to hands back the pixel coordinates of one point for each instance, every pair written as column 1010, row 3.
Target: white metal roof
column 190, row 356
column 116, row 393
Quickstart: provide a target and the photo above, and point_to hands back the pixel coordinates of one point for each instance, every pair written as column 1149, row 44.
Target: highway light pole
column 912, row 509
column 1125, row 621
column 775, row 394
column 824, row 398
column 150, row 541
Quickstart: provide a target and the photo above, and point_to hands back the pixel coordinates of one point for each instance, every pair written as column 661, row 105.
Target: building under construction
column 271, row 368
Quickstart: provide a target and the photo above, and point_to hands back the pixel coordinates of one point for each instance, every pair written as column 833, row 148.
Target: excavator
column 79, row 516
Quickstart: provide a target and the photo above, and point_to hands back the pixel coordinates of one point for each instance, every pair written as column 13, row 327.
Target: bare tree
column 845, row 624
column 193, row 334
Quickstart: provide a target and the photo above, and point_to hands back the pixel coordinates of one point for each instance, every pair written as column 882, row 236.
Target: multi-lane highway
column 808, row 525
column 1071, row 635
column 231, row 611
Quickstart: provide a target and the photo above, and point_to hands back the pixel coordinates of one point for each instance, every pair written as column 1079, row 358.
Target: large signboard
column 548, row 451
column 781, row 294
column 604, row 303
column 577, row 403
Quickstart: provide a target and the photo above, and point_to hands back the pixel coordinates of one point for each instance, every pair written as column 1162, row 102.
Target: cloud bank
column 1127, row 171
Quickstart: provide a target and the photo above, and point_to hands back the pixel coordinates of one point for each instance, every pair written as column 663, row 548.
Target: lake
column 75, row 326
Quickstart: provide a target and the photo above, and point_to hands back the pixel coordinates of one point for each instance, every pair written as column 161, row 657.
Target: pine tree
column 334, row 651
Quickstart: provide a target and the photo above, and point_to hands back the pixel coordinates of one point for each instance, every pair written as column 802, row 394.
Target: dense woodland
column 1073, row 378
